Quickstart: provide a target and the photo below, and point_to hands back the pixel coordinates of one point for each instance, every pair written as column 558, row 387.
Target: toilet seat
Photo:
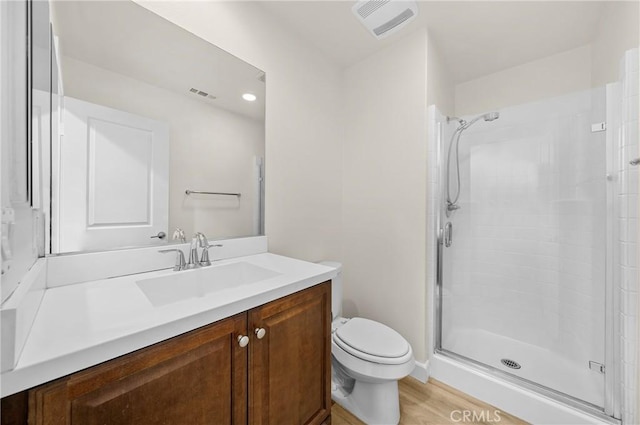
column 373, row 342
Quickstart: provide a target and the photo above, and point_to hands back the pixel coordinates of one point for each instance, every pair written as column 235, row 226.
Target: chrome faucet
column 199, row 240
column 178, row 234
column 194, row 262
column 202, row 239
column 180, row 264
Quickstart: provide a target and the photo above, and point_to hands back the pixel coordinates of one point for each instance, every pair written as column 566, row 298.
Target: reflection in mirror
column 149, row 112
column 43, row 109
column 16, row 213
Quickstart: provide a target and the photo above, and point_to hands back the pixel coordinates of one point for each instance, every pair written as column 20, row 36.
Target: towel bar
column 199, row 192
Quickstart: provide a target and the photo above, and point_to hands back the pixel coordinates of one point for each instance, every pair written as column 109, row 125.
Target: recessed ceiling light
column 249, row 97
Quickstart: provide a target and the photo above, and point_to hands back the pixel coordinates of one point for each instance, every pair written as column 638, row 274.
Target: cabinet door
column 196, row 378
column 290, row 366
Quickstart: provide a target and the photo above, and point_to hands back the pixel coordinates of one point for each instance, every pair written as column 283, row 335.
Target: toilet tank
column 336, row 288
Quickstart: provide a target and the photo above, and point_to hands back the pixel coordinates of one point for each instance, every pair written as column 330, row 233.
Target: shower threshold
column 518, row 396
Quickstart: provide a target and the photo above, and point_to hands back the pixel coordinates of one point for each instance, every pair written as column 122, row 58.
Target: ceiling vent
column 384, row 17
column 202, row 93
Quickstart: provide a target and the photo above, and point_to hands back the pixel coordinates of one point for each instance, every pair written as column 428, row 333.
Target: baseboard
column 421, row 372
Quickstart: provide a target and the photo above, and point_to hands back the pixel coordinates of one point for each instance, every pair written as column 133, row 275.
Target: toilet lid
column 363, row 336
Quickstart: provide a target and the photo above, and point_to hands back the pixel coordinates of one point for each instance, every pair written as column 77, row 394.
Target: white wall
column 211, row 149
column 384, row 188
column 303, row 121
column 440, row 87
column 618, row 31
column 552, row 76
column 591, row 65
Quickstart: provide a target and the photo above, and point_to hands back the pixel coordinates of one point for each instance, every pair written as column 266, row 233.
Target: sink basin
column 201, row 282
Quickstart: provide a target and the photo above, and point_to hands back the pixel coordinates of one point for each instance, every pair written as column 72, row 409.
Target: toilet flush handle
column 260, row 332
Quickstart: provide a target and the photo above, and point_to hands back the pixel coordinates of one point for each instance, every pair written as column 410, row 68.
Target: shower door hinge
column 600, row 126
column 598, row 367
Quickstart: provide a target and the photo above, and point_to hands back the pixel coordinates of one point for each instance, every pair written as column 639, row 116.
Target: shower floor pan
column 537, row 364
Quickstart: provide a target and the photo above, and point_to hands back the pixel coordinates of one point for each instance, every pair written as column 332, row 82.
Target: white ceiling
column 475, row 38
column 107, row 34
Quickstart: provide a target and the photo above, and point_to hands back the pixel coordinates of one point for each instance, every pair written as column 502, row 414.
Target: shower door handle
column 448, row 234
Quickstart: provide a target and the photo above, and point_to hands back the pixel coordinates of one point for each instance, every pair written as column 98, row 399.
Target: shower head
column 490, row 116
column 455, row 141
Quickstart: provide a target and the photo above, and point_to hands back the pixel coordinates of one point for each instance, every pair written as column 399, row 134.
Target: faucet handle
column 205, row 254
column 202, row 240
column 178, row 234
column 180, row 263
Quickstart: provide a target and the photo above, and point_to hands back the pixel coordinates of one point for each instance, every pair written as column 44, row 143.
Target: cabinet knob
column 243, row 340
column 260, row 333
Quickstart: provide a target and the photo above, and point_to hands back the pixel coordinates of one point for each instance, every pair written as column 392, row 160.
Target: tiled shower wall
column 624, row 135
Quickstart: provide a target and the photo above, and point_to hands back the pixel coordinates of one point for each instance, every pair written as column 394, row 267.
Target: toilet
column 367, row 360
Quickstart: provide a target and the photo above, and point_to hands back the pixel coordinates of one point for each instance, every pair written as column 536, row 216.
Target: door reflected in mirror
column 150, row 112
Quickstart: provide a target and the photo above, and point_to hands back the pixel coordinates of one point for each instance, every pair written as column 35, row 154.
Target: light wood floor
column 434, row 403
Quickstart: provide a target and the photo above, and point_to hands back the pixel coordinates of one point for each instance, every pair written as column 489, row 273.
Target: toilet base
column 372, row 403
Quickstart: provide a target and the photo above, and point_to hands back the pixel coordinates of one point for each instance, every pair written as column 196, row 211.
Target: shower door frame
column 610, row 412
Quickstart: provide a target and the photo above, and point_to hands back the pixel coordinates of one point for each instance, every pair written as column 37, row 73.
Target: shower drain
column 510, row 363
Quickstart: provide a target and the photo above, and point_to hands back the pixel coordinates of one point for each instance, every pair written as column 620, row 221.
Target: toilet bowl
column 367, row 360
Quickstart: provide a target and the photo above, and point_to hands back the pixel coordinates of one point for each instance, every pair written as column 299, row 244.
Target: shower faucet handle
column 448, row 234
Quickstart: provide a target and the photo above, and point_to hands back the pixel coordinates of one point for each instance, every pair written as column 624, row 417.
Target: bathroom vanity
column 206, row 376
column 255, row 353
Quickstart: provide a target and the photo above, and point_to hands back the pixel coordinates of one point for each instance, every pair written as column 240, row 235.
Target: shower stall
column 533, row 212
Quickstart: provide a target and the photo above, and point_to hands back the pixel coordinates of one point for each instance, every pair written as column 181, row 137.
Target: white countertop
column 81, row 325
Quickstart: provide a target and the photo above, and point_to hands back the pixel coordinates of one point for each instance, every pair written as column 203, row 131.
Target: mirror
column 154, row 132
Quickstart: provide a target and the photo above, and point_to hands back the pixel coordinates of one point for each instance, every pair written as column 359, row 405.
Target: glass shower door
column 523, row 280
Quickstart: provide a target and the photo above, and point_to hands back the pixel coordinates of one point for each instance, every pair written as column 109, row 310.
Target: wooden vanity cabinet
column 282, row 376
column 290, row 367
column 197, row 378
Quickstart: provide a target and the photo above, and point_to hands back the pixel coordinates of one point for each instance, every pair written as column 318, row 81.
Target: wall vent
column 384, row 17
